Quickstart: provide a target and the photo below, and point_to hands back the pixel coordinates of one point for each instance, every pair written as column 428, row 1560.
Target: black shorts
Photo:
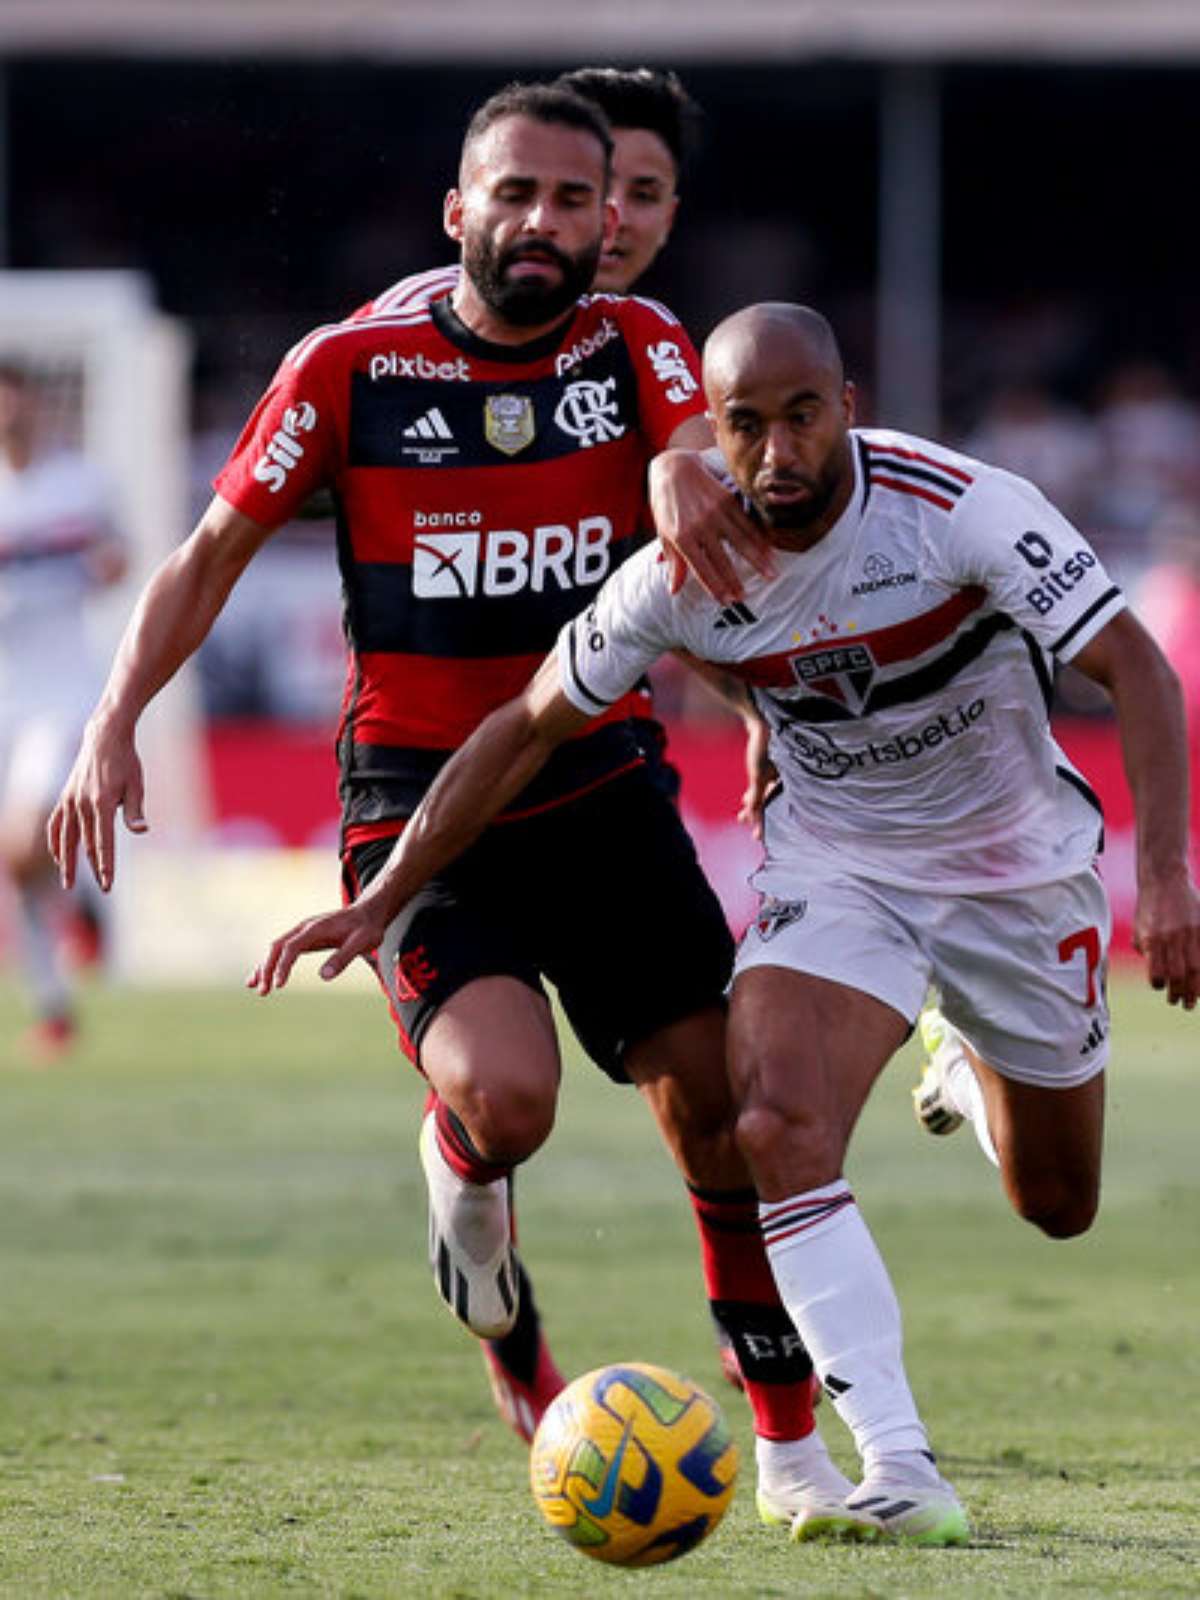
column 602, row 896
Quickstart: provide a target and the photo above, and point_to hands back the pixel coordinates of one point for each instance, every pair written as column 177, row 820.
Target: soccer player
column 58, row 544
column 652, row 120
column 929, row 829
column 487, row 454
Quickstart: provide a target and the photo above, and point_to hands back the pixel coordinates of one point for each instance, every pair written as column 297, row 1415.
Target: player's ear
column 849, row 402
column 452, row 213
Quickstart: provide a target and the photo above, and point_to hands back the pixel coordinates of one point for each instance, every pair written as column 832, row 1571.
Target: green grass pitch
column 225, row 1371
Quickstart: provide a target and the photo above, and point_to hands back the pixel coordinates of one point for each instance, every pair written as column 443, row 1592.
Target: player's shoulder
column 335, row 343
column 414, row 290
column 633, row 311
column 937, row 475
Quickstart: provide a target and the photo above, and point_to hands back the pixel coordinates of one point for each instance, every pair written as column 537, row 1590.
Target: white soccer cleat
column 813, row 1495
column 911, row 1507
column 931, row 1106
column 470, row 1243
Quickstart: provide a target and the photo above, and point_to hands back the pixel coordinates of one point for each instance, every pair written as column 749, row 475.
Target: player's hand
column 106, row 778
column 762, row 780
column 1166, row 930
column 351, row 932
column 700, row 522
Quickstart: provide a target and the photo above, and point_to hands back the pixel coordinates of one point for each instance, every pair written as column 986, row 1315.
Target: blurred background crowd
column 263, row 197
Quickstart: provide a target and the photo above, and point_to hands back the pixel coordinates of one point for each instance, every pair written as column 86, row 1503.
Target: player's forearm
column 172, row 617
column 503, row 754
column 1153, row 730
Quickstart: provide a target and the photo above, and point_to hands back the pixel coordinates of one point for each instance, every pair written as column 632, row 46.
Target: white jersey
column 52, row 516
column 904, row 665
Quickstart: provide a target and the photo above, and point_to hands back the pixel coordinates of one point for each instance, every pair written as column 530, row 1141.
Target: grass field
column 225, row 1372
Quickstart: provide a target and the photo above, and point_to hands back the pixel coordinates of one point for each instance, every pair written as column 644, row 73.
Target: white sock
column 965, row 1095
column 39, row 950
column 789, row 1467
column 836, row 1288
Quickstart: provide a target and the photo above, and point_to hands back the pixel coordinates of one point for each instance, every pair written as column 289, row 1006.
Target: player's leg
column 641, row 975
column 491, row 1056
column 1021, row 1048
column 470, row 1006
column 806, row 1043
column 681, row 1073
column 36, row 756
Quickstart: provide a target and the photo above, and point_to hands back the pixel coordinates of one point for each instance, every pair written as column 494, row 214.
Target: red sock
column 775, row 1366
column 455, row 1144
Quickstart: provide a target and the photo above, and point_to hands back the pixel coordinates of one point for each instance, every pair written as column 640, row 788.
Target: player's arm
column 505, row 752
column 1148, row 701
column 172, row 617
column 698, row 520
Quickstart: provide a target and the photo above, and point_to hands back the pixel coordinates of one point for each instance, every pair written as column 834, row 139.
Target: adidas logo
column 1095, row 1038
column 432, row 425
column 735, row 616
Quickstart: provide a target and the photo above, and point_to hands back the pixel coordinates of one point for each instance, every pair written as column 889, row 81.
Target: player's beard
column 527, row 302
column 802, row 514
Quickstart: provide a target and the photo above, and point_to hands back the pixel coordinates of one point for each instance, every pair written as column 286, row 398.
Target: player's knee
column 507, row 1124
column 784, row 1143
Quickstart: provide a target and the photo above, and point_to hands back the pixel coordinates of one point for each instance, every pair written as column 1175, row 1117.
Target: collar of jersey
column 452, row 327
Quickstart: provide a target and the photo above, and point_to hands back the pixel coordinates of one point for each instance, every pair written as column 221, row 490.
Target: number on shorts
column 1087, row 940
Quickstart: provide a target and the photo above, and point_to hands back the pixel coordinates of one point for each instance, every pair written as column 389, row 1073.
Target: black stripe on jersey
column 1037, row 660
column 384, row 614
column 1081, row 622
column 909, row 469
column 916, row 685
column 1089, row 794
column 386, row 416
column 1084, row 788
column 864, row 462
column 577, row 682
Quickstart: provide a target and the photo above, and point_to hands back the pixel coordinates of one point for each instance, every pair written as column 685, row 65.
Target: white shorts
column 1020, row 975
column 36, row 754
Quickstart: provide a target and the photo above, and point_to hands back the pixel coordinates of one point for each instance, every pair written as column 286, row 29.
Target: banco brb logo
column 456, row 566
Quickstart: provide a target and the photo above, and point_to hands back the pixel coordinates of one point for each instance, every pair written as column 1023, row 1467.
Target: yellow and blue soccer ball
column 633, row 1464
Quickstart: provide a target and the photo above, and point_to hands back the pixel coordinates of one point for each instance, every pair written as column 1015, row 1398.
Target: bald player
column 929, row 830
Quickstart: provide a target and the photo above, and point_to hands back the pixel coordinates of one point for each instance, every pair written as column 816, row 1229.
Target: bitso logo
column 456, row 566
column 672, row 371
column 588, row 411
column 284, row 449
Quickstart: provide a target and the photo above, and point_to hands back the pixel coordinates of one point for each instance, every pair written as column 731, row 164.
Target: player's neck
column 477, row 316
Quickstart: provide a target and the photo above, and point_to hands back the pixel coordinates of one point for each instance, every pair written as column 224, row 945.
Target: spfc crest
column 775, row 915
column 508, row 422
column 842, row 672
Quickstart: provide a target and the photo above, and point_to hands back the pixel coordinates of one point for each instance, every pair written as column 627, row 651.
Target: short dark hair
column 642, row 97
column 553, row 103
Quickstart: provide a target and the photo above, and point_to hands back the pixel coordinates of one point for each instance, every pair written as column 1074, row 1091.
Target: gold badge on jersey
column 508, row 422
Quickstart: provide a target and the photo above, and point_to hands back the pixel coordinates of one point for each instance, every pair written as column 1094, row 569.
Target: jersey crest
column 843, row 673
column 508, row 422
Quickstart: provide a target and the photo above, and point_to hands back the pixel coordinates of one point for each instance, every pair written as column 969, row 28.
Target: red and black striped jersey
column 484, row 492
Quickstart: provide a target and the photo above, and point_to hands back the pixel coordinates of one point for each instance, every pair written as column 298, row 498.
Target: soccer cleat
column 814, row 1493
column 48, row 1040
column 522, row 1405
column 930, row 1104
column 470, row 1246
column 912, row 1509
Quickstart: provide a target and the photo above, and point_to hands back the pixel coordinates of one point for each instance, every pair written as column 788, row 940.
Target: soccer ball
column 633, row 1464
